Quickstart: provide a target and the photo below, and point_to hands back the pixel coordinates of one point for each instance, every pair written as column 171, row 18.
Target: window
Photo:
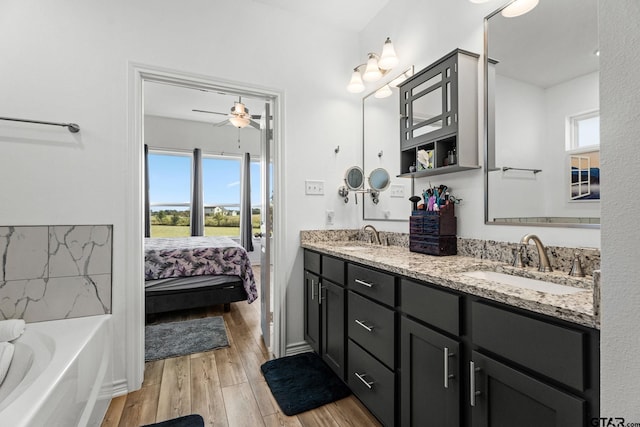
column 221, row 187
column 169, row 194
column 584, row 131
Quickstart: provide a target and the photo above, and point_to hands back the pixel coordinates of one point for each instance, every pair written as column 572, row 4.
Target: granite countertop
column 446, row 271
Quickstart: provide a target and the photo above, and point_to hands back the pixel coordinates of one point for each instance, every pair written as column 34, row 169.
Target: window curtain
column 147, row 204
column 245, row 204
column 197, row 204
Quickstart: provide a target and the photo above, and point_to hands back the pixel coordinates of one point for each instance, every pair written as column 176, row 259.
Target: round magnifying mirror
column 354, row 178
column 379, row 179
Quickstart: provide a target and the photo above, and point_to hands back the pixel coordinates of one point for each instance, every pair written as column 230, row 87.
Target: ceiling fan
column 238, row 117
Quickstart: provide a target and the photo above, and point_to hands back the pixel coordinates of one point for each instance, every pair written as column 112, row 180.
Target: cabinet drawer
column 374, row 284
column 372, row 326
column 554, row 351
column 438, row 308
column 373, row 383
column 333, row 269
column 312, row 261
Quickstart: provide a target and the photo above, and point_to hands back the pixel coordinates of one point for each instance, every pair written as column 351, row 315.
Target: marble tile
column 79, row 250
column 17, row 295
column 57, row 298
column 23, row 253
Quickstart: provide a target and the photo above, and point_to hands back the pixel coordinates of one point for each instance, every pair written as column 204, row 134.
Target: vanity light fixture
column 519, row 7
column 375, row 67
column 383, row 92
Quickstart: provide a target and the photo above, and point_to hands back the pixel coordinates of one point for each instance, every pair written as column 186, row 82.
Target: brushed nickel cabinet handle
column 447, row 376
column 363, row 283
column 368, row 328
column 312, row 291
column 369, row 384
column 319, row 293
column 472, row 382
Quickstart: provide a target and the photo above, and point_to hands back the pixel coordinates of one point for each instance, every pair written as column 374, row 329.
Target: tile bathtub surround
column 55, row 272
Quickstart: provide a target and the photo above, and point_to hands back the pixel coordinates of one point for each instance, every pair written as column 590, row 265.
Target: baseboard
column 119, row 388
column 297, row 348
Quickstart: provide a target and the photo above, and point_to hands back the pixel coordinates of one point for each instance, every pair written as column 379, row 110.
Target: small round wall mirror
column 379, row 179
column 354, row 178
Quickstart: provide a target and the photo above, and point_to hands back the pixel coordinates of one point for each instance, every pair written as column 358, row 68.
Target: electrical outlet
column 397, row 190
column 314, row 187
column 330, row 217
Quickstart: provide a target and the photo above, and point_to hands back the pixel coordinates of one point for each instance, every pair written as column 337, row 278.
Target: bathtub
column 60, row 374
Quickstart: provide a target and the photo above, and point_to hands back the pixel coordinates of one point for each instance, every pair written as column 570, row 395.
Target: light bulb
column 372, row 72
column 519, row 7
column 383, row 92
column 355, row 84
column 388, row 58
column 239, row 121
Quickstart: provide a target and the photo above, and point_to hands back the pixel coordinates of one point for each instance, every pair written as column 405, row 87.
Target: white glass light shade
column 383, row 92
column 372, row 72
column 239, row 121
column 519, row 7
column 355, row 84
column 388, row 58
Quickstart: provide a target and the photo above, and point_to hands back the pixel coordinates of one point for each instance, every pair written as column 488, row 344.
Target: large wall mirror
column 542, row 116
column 381, row 150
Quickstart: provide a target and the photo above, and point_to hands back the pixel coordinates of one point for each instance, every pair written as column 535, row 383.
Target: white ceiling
column 352, row 15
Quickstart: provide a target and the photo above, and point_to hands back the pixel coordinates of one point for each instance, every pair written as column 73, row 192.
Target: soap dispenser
column 576, row 267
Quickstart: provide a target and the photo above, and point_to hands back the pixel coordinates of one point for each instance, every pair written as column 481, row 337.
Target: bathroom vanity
column 422, row 344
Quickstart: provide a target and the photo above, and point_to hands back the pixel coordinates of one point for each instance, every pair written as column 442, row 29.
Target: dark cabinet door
column 333, row 343
column 430, row 380
column 501, row 396
column 312, row 310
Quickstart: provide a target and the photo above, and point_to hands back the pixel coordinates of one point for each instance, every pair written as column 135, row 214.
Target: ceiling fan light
column 239, row 121
column 388, row 58
column 383, row 92
column 355, row 84
column 372, row 72
column 519, row 7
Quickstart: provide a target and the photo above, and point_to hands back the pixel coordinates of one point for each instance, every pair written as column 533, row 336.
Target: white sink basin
column 524, row 282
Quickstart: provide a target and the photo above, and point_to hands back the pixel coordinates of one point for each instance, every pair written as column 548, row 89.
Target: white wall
column 68, row 61
column 423, row 32
column 620, row 133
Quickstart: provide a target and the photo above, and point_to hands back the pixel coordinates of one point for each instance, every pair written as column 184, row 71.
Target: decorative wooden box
column 433, row 232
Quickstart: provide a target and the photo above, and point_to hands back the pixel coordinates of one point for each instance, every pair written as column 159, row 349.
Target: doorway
column 271, row 159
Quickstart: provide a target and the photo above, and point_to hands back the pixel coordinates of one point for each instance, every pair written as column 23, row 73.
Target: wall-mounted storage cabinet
column 439, row 117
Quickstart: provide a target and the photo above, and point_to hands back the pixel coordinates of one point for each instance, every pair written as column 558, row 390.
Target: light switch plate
column 314, row 187
column 397, row 190
column 330, row 217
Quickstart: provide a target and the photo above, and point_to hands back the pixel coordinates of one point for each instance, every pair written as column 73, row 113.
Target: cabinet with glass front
column 439, row 117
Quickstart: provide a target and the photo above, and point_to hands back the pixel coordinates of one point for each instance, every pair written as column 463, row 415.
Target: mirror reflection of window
column 584, row 130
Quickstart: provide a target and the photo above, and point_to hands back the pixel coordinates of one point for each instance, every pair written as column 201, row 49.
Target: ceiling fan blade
column 254, row 124
column 256, row 116
column 210, row 112
column 222, row 123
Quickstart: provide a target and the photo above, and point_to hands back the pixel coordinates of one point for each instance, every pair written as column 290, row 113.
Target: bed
column 191, row 272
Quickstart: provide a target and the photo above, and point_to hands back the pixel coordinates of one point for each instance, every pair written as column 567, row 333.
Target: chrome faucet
column 376, row 235
column 545, row 265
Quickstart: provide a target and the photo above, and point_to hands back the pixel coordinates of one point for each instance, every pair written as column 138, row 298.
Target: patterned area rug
column 302, row 382
column 173, row 339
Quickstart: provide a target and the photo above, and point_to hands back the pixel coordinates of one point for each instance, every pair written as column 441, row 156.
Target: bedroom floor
column 225, row 386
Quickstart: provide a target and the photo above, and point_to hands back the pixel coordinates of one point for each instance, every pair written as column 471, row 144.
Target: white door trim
column 133, row 246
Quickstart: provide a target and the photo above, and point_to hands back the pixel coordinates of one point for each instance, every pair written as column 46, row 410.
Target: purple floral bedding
column 198, row 256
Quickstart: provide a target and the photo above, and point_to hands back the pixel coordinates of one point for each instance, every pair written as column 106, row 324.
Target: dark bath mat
column 173, row 339
column 302, row 382
column 193, row 420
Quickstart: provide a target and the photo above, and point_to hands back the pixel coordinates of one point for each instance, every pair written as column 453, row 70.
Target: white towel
column 6, row 354
column 11, row 329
